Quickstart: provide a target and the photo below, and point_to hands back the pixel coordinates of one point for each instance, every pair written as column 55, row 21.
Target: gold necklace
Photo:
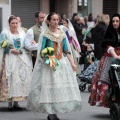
column 52, row 30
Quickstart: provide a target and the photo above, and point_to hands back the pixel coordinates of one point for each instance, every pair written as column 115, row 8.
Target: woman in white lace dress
column 75, row 47
column 52, row 91
column 16, row 66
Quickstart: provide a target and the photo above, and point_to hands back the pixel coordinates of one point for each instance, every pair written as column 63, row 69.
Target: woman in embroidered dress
column 100, row 94
column 16, row 66
column 57, row 91
column 75, row 47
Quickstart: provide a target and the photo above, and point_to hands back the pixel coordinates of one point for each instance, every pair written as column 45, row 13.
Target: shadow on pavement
column 102, row 116
column 5, row 109
column 38, row 119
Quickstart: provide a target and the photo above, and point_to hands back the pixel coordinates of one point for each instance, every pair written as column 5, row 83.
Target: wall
column 70, row 9
column 64, row 9
column 74, row 6
column 44, row 6
column 96, row 7
column 6, row 11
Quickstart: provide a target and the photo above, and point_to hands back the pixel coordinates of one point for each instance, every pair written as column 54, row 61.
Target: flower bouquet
column 2, row 39
column 4, row 44
column 17, row 44
column 49, row 56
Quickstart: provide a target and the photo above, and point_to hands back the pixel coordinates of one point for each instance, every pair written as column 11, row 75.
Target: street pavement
column 86, row 113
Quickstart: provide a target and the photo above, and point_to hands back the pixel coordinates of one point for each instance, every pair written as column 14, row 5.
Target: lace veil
column 6, row 35
column 72, row 32
column 44, row 27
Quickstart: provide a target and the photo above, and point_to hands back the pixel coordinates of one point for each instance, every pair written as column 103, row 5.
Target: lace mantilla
column 54, row 38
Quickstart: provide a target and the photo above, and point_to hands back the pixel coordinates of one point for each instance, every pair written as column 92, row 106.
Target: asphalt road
column 86, row 113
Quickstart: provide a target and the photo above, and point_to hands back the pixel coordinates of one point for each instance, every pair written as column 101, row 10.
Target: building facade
column 26, row 8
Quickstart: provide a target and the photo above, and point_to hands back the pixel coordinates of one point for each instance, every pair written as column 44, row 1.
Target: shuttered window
column 110, row 7
column 26, row 10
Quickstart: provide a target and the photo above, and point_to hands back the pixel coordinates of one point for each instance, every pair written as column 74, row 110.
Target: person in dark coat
column 79, row 27
column 74, row 18
column 98, row 35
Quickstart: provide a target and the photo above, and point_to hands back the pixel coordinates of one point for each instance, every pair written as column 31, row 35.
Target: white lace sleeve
column 110, row 48
column 28, row 40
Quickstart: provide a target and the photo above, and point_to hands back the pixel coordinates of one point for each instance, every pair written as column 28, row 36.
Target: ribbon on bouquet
column 86, row 32
column 52, row 61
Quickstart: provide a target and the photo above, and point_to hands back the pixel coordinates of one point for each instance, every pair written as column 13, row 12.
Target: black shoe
column 11, row 109
column 56, row 117
column 52, row 117
column 17, row 108
column 49, row 117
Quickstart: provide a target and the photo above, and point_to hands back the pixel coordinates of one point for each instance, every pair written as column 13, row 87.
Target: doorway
column 110, row 7
column 52, row 5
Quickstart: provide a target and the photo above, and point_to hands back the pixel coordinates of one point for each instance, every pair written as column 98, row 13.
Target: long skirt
column 101, row 87
column 52, row 91
column 16, row 86
column 3, row 83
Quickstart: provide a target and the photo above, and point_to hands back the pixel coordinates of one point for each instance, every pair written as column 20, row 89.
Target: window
column 82, row 7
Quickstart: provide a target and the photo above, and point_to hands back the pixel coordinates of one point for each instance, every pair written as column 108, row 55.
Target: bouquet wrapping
column 49, row 56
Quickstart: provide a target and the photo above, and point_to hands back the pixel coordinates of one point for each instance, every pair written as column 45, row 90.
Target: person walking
column 54, row 91
column 98, row 33
column 20, row 23
column 16, row 66
column 75, row 47
column 32, row 35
